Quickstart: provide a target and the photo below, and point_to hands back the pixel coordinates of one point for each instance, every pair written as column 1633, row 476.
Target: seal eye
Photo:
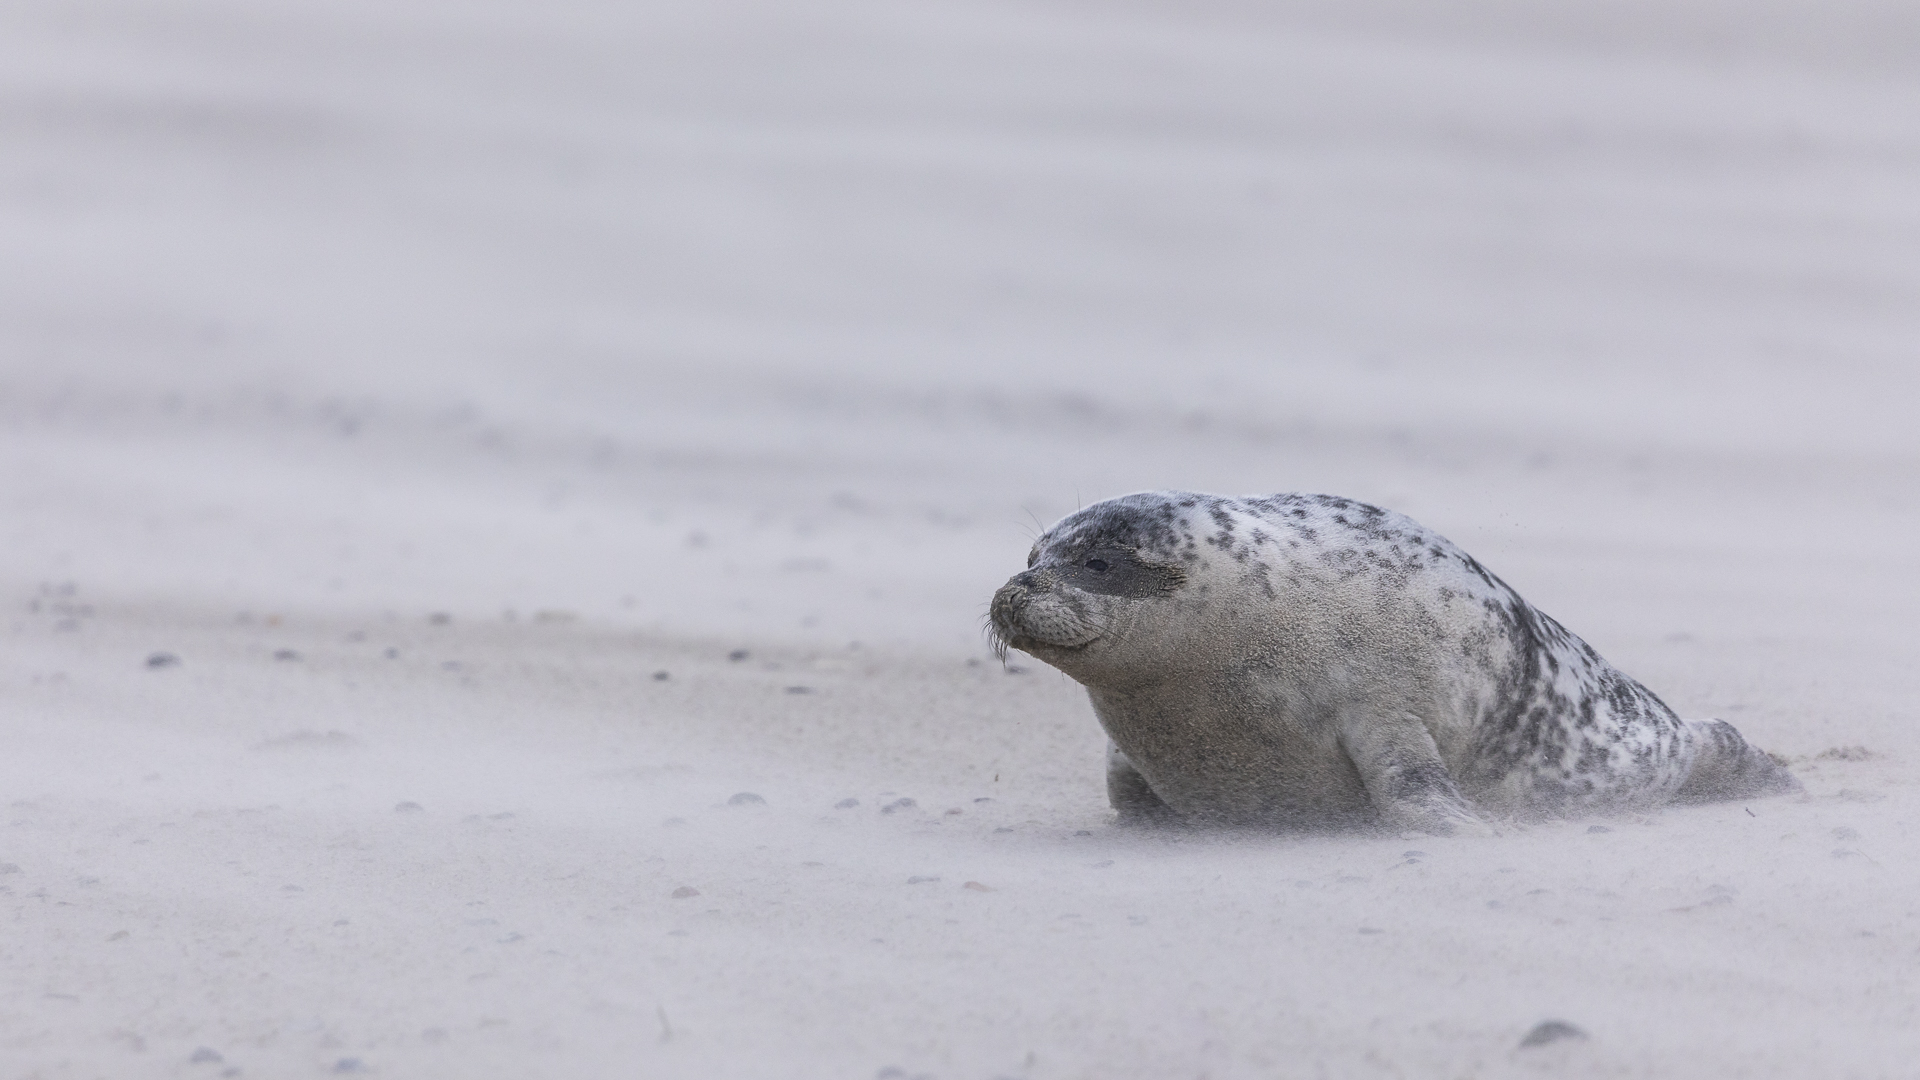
column 1098, row 566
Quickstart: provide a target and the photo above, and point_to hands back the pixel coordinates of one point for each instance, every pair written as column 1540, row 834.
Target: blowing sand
column 499, row 502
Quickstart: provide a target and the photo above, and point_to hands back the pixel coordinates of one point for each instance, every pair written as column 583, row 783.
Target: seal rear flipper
column 1130, row 793
column 1405, row 777
column 1727, row 766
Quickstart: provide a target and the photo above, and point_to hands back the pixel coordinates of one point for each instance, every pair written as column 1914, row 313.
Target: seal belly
column 1223, row 764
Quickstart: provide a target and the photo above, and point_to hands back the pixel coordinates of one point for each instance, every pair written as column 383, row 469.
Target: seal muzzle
column 1035, row 608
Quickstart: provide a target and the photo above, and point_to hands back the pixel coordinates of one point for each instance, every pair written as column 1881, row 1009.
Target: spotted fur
column 1309, row 658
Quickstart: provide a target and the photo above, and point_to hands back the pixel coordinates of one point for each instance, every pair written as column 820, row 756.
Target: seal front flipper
column 1404, row 775
column 1130, row 794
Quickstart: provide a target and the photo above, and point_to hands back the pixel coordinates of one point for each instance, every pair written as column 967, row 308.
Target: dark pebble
column 846, row 804
column 1548, row 1032
column 684, row 892
column 738, row 655
column 349, row 1065
column 162, row 659
column 391, row 653
column 799, row 689
column 1598, row 829
column 661, row 676
column 922, row 879
column 898, row 804
column 439, row 618
column 205, row 1055
column 285, row 654
column 746, row 798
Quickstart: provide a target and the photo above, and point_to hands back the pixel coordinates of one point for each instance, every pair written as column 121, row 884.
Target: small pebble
column 1083, row 832
column 407, row 808
column 799, row 689
column 661, row 676
column 685, row 891
column 977, row 887
column 439, row 618
column 1551, row 1031
column 391, row 653
column 163, row 660
column 1845, row 832
column 674, row 822
column 738, row 655
column 285, row 654
column 205, row 1055
column 1598, row 829
column 746, row 798
column 1413, row 854
column 349, row 1065
column 922, row 879
column 846, row 804
column 898, row 804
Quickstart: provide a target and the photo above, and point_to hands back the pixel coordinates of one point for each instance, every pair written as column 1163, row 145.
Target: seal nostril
column 1026, row 579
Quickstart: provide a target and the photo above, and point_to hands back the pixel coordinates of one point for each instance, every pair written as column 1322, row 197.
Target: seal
column 1308, row 661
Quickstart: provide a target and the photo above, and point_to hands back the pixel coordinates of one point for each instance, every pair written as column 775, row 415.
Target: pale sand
column 628, row 337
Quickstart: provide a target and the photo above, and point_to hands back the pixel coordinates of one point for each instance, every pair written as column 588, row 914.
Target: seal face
column 1311, row 660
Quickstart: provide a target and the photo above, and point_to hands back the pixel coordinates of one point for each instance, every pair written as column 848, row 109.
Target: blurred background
column 450, row 450
column 740, row 315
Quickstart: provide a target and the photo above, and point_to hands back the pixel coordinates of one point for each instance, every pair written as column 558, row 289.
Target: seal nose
column 1026, row 579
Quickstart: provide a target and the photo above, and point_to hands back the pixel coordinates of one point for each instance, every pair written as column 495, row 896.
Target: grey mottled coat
column 1307, row 659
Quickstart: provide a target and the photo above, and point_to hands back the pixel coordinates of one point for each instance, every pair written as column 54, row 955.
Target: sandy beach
column 500, row 501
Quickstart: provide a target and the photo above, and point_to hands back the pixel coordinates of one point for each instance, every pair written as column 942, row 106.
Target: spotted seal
column 1312, row 660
